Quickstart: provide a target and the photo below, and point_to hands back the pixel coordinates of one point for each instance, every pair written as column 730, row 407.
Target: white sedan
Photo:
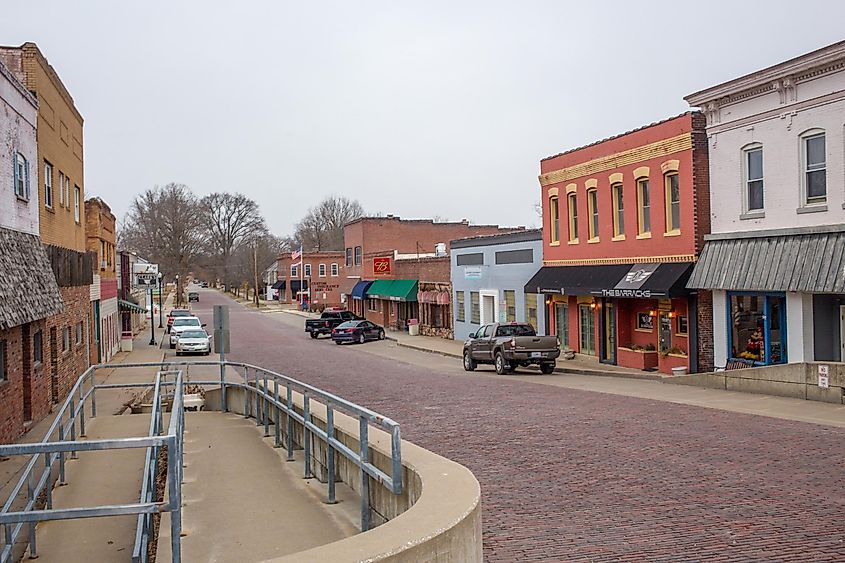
column 181, row 324
column 193, row 341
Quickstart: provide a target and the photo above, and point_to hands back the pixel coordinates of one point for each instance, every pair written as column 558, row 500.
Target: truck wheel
column 502, row 366
column 313, row 334
column 547, row 368
column 469, row 363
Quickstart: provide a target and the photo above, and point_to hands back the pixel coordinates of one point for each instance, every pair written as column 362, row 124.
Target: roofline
column 819, row 57
column 10, row 76
column 606, row 139
column 500, row 238
column 464, row 222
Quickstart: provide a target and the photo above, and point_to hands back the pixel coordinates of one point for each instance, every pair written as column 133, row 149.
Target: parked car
column 193, row 341
column 182, row 324
column 204, row 284
column 329, row 319
column 357, row 331
column 193, row 297
column 508, row 346
column 174, row 313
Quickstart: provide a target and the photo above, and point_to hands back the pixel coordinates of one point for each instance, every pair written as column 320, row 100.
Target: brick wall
column 67, row 366
column 700, row 180
column 11, row 390
column 100, row 235
column 705, row 331
column 424, row 269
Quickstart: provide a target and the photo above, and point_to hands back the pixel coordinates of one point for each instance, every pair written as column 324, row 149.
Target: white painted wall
column 720, row 327
column 819, row 104
column 18, row 118
column 799, row 327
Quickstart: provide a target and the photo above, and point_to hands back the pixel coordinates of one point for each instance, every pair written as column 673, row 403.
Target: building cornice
column 791, row 231
column 622, row 260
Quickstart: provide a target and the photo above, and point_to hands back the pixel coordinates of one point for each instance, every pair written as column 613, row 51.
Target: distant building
column 270, row 281
column 317, row 277
column 489, row 274
column 131, row 299
column 28, row 290
column 775, row 257
column 105, row 324
column 623, row 222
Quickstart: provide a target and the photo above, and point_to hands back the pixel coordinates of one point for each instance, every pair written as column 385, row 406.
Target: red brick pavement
column 571, row 475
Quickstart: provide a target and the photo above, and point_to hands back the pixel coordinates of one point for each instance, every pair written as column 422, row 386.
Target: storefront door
column 775, row 335
column 587, row 329
column 562, row 324
column 665, row 333
column 608, row 352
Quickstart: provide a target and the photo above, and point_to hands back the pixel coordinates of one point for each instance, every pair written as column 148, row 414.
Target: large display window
column 757, row 324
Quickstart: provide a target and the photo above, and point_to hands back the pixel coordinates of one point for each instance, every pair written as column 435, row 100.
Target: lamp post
column 178, row 301
column 160, row 323
column 152, row 315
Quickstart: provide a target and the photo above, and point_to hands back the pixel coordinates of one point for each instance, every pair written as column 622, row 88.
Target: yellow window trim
column 673, row 233
column 614, row 204
column 573, row 241
column 553, row 192
column 618, row 238
column 641, row 172
column 593, row 240
column 591, row 210
column 644, row 235
column 555, row 243
column 670, row 166
column 640, row 218
column 571, row 188
column 591, row 183
column 615, row 178
column 667, row 203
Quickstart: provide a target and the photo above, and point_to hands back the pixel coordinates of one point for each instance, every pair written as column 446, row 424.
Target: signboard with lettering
column 472, row 272
column 824, row 376
column 145, row 274
column 381, row 266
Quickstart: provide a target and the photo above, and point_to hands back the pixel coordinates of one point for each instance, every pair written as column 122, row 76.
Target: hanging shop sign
column 381, row 266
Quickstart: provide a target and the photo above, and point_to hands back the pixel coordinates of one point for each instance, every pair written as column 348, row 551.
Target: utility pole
column 255, row 273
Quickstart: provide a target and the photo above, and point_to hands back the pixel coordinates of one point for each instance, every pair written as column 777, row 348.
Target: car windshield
column 180, row 313
column 348, row 324
column 515, row 330
column 186, row 322
column 194, row 334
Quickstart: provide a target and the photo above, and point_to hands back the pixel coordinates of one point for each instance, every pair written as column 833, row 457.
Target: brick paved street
column 573, row 475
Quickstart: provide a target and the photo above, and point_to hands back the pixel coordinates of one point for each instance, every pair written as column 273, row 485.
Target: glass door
column 562, row 324
column 609, row 336
column 587, row 329
column 775, row 330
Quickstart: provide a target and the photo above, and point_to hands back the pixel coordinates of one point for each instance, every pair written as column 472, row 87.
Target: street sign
column 145, row 274
column 221, row 342
column 221, row 317
column 824, row 376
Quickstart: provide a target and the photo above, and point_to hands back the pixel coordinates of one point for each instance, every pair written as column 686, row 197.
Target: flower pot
column 679, row 370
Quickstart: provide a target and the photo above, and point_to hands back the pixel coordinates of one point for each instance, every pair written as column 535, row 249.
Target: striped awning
column 806, row 263
column 129, row 306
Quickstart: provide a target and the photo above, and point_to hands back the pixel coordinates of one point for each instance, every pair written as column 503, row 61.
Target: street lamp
column 152, row 314
column 178, row 301
column 160, row 323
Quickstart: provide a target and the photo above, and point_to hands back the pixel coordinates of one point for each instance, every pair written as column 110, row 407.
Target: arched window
column 572, row 204
column 672, row 202
column 593, row 214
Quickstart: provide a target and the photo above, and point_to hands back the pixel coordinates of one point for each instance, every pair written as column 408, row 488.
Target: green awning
column 394, row 290
column 129, row 306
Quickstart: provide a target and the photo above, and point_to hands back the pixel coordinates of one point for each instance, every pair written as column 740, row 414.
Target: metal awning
column 28, row 288
column 296, row 286
column 807, row 263
column 394, row 290
column 613, row 280
column 360, row 290
column 278, row 285
column 129, row 306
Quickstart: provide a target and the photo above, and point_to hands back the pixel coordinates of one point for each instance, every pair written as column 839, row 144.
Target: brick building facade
column 322, row 280
column 624, row 220
column 105, row 322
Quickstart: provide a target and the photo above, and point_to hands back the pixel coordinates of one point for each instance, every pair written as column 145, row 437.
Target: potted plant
column 636, row 356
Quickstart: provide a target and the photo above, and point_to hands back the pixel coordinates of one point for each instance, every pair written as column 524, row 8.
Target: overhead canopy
column 394, row 290
column 360, row 289
column 129, row 306
column 613, row 280
column 278, row 285
column 28, row 288
column 806, row 263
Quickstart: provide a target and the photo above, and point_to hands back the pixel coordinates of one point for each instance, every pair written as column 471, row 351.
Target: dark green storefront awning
column 129, row 306
column 394, row 290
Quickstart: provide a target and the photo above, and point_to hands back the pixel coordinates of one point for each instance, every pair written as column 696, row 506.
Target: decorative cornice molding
column 622, row 260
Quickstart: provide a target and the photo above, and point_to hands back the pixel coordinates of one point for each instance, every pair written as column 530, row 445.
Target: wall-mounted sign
column 472, row 272
column 381, row 266
column 824, row 376
column 645, row 321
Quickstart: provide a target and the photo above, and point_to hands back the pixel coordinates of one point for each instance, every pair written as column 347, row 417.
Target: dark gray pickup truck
column 508, row 346
column 327, row 321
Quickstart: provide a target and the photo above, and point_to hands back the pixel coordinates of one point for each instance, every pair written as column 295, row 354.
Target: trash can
column 413, row 327
column 679, row 371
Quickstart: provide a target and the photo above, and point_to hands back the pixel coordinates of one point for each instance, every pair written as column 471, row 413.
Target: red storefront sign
column 381, row 266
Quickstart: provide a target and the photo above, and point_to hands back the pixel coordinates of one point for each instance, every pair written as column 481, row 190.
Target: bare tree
column 230, row 221
column 322, row 227
column 163, row 226
column 252, row 257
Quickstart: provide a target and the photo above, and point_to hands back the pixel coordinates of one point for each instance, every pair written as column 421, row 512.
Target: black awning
column 296, row 286
column 613, row 280
column 278, row 285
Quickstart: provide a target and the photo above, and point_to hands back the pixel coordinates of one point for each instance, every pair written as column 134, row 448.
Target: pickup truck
column 327, row 321
column 510, row 345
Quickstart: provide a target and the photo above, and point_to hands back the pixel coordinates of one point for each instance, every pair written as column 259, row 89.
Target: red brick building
column 322, row 279
column 624, row 220
column 412, row 254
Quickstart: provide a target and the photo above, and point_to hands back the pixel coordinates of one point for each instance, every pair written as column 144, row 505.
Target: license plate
column 536, row 354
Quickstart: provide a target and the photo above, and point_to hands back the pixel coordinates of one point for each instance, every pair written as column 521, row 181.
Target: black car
column 357, row 331
column 193, row 296
column 204, row 284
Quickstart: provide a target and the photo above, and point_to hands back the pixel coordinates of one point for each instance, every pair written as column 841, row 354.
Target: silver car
column 193, row 341
column 181, row 324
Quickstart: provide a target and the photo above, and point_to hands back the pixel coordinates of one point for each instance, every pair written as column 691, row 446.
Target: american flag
column 296, row 254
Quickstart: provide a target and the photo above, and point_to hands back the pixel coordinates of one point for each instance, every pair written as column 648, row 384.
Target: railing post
column 81, row 410
column 93, row 394
column 175, row 494
column 396, row 455
column 306, row 434
column 364, row 443
column 257, row 402
column 247, row 408
column 48, row 466
column 289, row 438
column 225, row 404
column 33, row 551
column 62, row 456
column 330, row 451
column 277, row 430
column 72, row 426
column 266, row 408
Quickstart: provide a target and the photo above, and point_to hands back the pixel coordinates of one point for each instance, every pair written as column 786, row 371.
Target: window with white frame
column 307, row 270
column 335, row 270
column 61, row 189
column 66, row 339
column 815, row 167
column 321, row 269
column 294, row 271
column 48, row 185
column 21, row 176
column 753, row 160
column 77, row 196
column 673, row 202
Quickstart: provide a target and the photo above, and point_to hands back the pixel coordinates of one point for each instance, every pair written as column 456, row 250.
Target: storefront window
column 531, row 309
column 758, row 328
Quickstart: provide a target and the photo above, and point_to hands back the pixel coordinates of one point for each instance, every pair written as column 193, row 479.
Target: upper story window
column 644, row 207
column 754, row 178
column 307, row 268
column 358, row 256
column 294, row 271
column 618, row 211
column 48, row 185
column 321, row 269
column 593, row 211
column 815, row 167
column 572, row 205
column 335, row 270
column 554, row 220
column 21, row 176
column 673, row 203
column 77, row 197
column 348, row 257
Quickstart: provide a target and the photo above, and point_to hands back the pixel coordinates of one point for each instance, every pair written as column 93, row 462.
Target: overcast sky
column 413, row 108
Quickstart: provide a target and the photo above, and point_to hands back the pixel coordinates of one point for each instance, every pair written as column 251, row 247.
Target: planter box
column 666, row 364
column 637, row 359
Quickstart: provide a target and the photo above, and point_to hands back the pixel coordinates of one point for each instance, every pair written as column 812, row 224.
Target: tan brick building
column 104, row 329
